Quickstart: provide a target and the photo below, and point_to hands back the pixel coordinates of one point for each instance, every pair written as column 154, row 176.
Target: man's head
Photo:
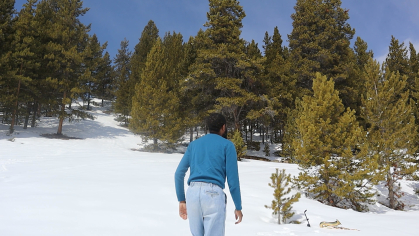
column 215, row 122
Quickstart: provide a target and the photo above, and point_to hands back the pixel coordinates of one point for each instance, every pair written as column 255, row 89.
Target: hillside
column 97, row 185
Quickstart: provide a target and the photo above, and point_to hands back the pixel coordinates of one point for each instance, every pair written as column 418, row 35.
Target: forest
column 345, row 119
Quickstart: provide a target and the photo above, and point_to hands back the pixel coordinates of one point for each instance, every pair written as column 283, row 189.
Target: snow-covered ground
column 98, row 185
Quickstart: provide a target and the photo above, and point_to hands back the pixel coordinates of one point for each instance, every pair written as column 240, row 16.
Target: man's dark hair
column 215, row 122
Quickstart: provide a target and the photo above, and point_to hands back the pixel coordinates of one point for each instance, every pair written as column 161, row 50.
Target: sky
column 375, row 21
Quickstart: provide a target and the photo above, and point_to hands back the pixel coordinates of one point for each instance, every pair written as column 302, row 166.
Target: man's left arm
column 232, row 172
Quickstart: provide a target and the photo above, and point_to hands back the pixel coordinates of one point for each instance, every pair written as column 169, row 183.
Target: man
column 211, row 159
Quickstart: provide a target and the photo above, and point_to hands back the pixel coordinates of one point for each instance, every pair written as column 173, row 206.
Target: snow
column 98, row 185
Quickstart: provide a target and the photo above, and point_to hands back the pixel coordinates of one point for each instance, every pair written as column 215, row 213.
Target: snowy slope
column 98, row 186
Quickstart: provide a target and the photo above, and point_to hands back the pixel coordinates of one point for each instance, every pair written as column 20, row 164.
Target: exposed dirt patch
column 58, row 136
column 256, row 158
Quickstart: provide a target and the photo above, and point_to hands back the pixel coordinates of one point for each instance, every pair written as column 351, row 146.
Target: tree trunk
column 15, row 110
column 60, row 125
column 251, row 131
column 390, row 187
column 88, row 101
column 190, row 134
column 36, row 112
column 279, row 215
column 28, row 112
column 262, row 134
column 245, row 129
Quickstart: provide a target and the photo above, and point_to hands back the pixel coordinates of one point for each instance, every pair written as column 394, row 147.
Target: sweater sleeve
column 180, row 176
column 232, row 173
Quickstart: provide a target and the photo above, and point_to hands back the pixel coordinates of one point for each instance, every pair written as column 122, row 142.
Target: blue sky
column 375, row 21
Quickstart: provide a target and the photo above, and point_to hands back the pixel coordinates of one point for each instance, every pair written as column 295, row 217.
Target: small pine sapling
column 282, row 205
column 238, row 141
column 267, row 150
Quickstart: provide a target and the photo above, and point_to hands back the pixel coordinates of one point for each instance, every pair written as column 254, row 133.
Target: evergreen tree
column 320, row 42
column 279, row 83
column 94, row 63
column 361, row 52
column 139, row 58
column 155, row 111
column 282, row 205
column 413, row 62
column 237, row 139
column 413, row 83
column 397, row 60
column 122, row 75
column 222, row 67
column 362, row 55
column 23, row 61
column 6, row 36
column 329, row 149
column 197, row 100
column 392, row 130
column 413, row 71
column 66, row 39
column 105, row 81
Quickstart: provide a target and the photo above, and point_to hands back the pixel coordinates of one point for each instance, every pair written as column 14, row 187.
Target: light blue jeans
column 206, row 208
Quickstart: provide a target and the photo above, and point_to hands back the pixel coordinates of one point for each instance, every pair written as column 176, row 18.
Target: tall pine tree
column 139, row 57
column 320, row 42
column 392, row 130
column 122, row 75
column 222, row 68
column 24, row 61
column 93, row 61
column 156, row 112
column 6, row 36
column 397, row 59
column 279, row 83
column 65, row 52
column 329, row 148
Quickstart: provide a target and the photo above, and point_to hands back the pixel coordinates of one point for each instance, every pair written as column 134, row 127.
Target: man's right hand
column 182, row 210
column 239, row 216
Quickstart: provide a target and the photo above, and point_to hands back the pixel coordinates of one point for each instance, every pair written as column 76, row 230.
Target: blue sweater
column 211, row 159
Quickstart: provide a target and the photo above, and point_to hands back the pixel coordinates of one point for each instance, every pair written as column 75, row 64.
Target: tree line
column 47, row 61
column 346, row 120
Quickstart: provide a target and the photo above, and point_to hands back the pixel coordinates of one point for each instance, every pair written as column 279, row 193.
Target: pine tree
column 397, row 60
column 320, row 42
column 23, row 61
column 281, row 86
column 237, row 139
column 361, row 52
column 6, row 36
column 65, row 52
column 282, row 205
column 197, row 100
column 413, row 64
column 105, row 81
column 392, row 130
column 155, row 112
column 94, row 66
column 222, row 68
column 139, row 58
column 329, row 148
column 362, row 55
column 413, row 84
column 122, row 74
